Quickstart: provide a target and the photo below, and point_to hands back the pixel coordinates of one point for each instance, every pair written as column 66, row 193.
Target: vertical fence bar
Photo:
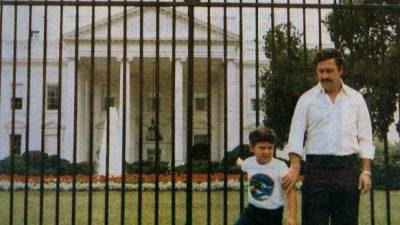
column 123, row 149
column 273, row 34
column 372, row 196
column 1, row 47
column 59, row 110
column 28, row 104
column 157, row 143
column 385, row 139
column 273, row 60
column 305, row 54
column 91, row 113
column 319, row 25
column 371, row 193
column 173, row 194
column 241, row 101
column 289, row 38
column 44, row 88
column 257, row 70
column 107, row 179
column 372, row 202
column 387, row 192
column 76, row 79
column 225, row 199
column 12, row 139
column 140, row 178
column 209, row 66
column 189, row 164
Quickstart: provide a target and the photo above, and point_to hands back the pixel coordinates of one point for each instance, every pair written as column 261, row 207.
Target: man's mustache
column 326, row 80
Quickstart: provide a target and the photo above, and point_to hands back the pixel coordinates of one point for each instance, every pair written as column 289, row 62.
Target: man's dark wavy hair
column 262, row 134
column 330, row 53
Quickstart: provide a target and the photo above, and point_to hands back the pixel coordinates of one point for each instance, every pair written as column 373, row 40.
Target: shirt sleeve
column 367, row 149
column 298, row 127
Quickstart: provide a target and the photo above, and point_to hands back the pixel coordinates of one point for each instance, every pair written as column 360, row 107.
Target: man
column 331, row 127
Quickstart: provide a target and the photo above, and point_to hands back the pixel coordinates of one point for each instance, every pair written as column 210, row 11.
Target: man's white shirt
column 339, row 128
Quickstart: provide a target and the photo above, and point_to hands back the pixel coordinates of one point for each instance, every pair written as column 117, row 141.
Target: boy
column 265, row 188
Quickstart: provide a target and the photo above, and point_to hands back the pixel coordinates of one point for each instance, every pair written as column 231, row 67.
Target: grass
column 131, row 210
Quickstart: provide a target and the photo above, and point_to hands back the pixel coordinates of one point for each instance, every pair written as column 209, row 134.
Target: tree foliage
column 288, row 75
column 370, row 41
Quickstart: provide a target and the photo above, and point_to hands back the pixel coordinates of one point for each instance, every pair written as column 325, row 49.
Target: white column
column 86, row 121
column 83, row 118
column 67, row 101
column 180, row 129
column 128, row 138
column 233, row 105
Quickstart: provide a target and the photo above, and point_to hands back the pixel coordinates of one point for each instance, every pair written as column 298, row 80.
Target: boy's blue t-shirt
column 265, row 182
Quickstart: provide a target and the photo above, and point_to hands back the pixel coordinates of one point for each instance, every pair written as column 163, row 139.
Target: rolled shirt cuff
column 298, row 151
column 367, row 153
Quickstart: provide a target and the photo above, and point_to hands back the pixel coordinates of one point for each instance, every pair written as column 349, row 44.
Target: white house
column 100, row 101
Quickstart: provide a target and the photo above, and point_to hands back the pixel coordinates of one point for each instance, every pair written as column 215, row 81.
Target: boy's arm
column 292, row 205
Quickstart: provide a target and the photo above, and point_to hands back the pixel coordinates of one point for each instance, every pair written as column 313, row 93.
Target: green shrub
column 239, row 151
column 50, row 165
column 147, row 167
column 19, row 165
column 63, row 165
column 83, row 168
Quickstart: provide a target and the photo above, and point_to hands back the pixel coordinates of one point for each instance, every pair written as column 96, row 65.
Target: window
column 152, row 104
column 151, row 154
column 34, row 34
column 15, row 143
column 254, row 104
column 200, row 149
column 16, row 103
column 201, row 104
column 53, row 97
column 200, row 139
column 107, row 103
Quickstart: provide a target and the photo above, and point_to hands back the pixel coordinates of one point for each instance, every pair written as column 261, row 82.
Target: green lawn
column 199, row 208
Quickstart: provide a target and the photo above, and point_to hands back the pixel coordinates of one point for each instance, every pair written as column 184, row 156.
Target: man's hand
column 364, row 182
column 290, row 179
column 292, row 222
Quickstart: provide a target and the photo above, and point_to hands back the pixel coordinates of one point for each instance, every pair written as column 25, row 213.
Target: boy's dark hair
column 261, row 134
column 330, row 53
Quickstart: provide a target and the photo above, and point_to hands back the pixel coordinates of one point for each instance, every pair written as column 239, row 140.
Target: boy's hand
column 239, row 162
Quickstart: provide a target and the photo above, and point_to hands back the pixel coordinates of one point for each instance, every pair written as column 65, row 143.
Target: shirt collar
column 345, row 89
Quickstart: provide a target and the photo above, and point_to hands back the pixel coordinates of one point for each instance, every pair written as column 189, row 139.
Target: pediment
column 149, row 28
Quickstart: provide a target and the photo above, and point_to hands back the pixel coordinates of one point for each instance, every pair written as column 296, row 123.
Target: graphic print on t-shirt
column 261, row 186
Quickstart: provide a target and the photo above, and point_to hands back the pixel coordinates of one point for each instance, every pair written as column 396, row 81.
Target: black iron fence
column 59, row 66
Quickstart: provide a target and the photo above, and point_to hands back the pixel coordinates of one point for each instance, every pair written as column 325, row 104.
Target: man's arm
column 367, row 148
column 298, row 128
column 292, row 205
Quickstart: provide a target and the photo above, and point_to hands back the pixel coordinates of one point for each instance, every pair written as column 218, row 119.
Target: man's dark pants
column 330, row 190
column 256, row 216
